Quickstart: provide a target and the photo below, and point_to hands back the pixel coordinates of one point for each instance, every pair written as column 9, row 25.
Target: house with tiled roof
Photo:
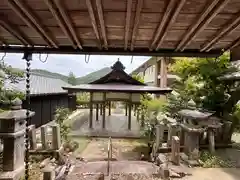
column 46, row 95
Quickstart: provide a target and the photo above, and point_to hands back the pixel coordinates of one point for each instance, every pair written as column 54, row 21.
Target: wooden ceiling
column 137, row 27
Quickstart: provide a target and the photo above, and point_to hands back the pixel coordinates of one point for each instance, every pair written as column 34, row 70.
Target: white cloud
column 76, row 63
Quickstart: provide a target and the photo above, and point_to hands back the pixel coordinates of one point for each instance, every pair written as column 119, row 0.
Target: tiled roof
column 39, row 85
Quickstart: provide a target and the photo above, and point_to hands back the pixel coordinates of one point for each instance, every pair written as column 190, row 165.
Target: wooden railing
column 109, row 154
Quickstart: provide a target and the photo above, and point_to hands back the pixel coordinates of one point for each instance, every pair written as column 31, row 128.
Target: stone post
column 12, row 131
column 175, row 155
column 159, row 135
column 32, row 137
column 173, row 130
column 56, row 137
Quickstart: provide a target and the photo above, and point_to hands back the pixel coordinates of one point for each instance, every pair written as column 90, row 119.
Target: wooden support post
column 44, row 137
column 101, row 109
column 32, row 137
column 129, row 116
column 175, row 156
column 104, row 112
column 91, row 111
column 126, row 109
column 56, row 137
column 137, row 114
column 97, row 109
column 142, row 119
column 109, row 112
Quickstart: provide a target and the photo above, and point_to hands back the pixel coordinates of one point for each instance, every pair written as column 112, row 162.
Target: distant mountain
column 80, row 80
column 93, row 76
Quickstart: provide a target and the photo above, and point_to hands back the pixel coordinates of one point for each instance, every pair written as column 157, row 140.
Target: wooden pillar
column 109, row 112
column 235, row 54
column 101, row 109
column 91, row 111
column 97, row 113
column 129, row 116
column 126, row 109
column 104, row 112
column 157, row 73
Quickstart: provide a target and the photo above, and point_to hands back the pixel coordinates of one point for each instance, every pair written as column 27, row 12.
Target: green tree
column 13, row 76
column 72, row 79
column 200, row 81
column 138, row 78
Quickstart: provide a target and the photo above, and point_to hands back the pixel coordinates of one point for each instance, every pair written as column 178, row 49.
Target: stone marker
column 12, row 131
column 175, row 156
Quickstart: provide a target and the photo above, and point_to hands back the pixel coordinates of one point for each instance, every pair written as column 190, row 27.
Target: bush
column 213, row 161
column 60, row 116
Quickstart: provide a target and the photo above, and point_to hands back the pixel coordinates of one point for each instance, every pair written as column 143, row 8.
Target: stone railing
column 44, row 139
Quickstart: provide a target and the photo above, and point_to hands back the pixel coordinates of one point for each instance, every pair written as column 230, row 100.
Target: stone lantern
column 12, row 131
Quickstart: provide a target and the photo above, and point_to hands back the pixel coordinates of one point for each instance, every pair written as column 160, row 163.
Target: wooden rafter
column 14, row 32
column 68, row 22
column 227, row 29
column 172, row 19
column 207, row 10
column 136, row 22
column 25, row 14
column 233, row 44
column 101, row 20
column 93, row 21
column 202, row 26
column 163, row 22
column 60, row 21
column 128, row 21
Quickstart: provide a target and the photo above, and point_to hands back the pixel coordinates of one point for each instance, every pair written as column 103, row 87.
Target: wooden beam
column 93, row 21
column 233, row 44
column 26, row 15
column 111, row 51
column 101, row 20
column 14, row 32
column 171, row 21
column 136, row 22
column 208, row 8
column 127, row 24
column 68, row 22
column 60, row 21
column 227, row 29
column 163, row 22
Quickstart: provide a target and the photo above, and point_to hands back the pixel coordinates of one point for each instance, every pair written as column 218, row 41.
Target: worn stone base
column 190, row 162
column 12, row 175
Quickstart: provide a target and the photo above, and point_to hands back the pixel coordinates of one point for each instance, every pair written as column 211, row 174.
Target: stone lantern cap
column 195, row 114
column 16, row 113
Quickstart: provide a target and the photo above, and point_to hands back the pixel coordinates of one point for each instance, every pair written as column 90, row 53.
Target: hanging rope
column 40, row 58
column 27, row 58
column 131, row 59
column 87, row 58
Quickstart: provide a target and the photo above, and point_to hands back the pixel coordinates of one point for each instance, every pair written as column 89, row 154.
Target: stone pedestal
column 175, row 155
column 12, row 131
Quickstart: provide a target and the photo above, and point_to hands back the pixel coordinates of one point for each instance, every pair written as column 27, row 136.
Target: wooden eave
column 141, row 27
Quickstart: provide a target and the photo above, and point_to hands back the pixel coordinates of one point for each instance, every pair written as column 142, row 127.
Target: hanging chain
column 27, row 117
column 131, row 59
column 87, row 58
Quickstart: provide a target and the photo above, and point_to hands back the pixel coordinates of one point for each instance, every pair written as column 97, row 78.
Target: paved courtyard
column 116, row 126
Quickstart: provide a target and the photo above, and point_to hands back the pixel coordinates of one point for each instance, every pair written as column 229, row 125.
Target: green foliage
column 212, row 161
column 72, row 79
column 60, row 116
column 12, row 75
column 138, row 78
column 199, row 81
column 82, row 97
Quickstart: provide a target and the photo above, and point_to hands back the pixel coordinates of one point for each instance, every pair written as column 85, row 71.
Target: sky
column 73, row 63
